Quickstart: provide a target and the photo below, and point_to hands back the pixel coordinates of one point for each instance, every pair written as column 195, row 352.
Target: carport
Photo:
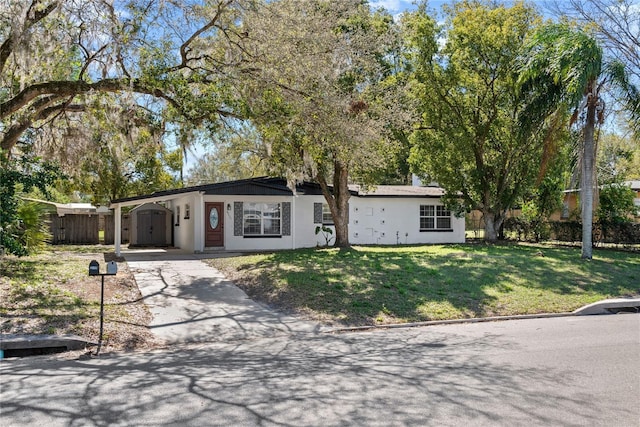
column 140, row 202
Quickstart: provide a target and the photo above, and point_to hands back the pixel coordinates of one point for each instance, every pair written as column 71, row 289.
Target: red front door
column 214, row 224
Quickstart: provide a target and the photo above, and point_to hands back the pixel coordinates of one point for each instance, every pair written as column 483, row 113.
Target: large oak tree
column 55, row 55
column 315, row 93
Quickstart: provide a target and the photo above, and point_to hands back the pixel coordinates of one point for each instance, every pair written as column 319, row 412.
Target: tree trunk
column 586, row 190
column 342, row 234
column 492, row 225
column 338, row 201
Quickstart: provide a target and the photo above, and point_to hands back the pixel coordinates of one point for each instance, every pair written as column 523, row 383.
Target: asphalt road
column 573, row 371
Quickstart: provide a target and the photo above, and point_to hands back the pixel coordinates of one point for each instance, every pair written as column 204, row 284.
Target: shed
column 151, row 225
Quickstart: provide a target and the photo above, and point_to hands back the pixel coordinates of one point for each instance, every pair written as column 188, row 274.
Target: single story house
column 571, row 202
column 264, row 214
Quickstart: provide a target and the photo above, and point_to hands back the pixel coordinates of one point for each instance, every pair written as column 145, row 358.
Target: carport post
column 199, row 227
column 118, row 228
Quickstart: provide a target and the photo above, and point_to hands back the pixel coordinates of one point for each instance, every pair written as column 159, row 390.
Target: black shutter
column 317, row 213
column 286, row 218
column 237, row 218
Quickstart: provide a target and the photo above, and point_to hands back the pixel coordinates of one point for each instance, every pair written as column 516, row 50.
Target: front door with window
column 214, row 224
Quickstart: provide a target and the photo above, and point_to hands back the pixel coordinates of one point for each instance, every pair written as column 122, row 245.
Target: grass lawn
column 380, row 285
column 51, row 293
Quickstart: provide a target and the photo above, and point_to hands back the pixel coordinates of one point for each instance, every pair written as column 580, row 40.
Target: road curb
column 72, row 342
column 14, row 343
column 448, row 322
column 609, row 306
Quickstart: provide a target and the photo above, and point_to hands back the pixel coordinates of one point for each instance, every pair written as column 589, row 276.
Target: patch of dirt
column 52, row 293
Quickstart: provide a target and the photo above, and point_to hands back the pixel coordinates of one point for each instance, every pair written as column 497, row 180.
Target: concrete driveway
column 193, row 302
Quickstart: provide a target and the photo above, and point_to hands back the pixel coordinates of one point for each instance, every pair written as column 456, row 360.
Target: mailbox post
column 94, row 270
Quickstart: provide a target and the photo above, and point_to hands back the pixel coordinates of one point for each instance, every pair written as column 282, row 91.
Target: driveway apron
column 193, row 302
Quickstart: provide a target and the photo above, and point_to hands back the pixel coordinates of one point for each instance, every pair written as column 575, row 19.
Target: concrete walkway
column 193, row 302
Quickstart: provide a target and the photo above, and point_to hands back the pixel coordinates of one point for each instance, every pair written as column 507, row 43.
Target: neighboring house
column 635, row 186
column 264, row 214
column 571, row 202
column 63, row 209
column 570, row 206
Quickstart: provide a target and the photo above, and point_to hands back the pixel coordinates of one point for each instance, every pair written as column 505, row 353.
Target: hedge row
column 617, row 232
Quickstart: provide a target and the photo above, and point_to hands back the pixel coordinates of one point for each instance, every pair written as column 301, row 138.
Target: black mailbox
column 94, row 268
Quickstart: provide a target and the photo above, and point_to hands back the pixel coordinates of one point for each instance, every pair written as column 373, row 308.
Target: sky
column 398, row 6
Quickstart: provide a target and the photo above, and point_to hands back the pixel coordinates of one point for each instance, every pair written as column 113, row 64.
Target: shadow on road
column 417, row 377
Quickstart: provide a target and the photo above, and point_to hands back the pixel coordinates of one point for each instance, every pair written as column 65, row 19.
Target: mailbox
column 112, row 268
column 94, row 268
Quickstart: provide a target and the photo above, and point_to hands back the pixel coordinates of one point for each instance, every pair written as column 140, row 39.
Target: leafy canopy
column 469, row 139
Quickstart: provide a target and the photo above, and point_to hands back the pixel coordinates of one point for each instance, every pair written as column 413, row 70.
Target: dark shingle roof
column 265, row 186
column 397, row 191
column 250, row 186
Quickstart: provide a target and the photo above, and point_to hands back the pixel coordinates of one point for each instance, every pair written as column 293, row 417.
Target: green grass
column 50, row 292
column 377, row 285
column 42, row 286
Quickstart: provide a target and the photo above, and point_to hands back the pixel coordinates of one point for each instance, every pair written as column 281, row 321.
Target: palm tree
column 562, row 73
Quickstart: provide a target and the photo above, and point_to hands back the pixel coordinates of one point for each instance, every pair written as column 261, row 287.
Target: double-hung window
column 262, row 219
column 434, row 217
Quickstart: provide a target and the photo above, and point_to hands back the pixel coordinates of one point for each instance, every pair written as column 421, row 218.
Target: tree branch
column 184, row 48
column 43, row 94
column 33, row 17
column 64, row 88
column 13, row 133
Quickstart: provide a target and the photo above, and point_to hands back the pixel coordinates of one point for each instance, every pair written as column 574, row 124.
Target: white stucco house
column 264, row 214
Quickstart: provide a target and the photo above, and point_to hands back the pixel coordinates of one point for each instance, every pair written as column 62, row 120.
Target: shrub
column 34, row 230
column 527, row 229
column 616, row 203
column 19, row 175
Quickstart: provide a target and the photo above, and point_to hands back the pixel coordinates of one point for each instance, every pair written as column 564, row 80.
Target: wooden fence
column 110, row 232
column 74, row 229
